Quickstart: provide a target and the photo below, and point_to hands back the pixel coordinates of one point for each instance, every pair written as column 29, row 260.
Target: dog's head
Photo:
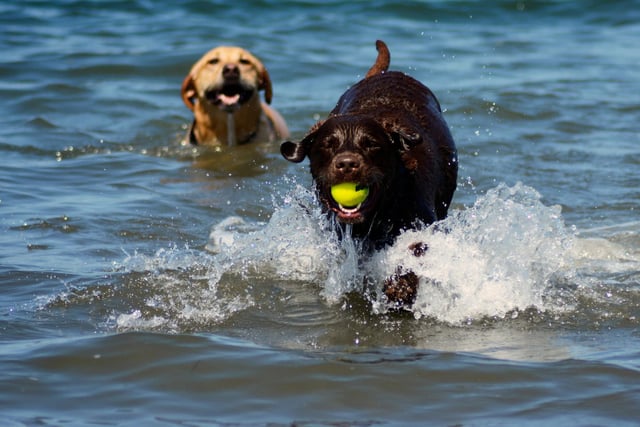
column 226, row 77
column 355, row 149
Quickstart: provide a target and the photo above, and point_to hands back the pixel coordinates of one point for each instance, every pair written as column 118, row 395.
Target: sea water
column 144, row 281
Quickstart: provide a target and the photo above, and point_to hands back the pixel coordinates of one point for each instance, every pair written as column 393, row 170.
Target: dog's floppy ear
column 296, row 151
column 293, row 151
column 265, row 83
column 402, row 132
column 405, row 140
column 188, row 91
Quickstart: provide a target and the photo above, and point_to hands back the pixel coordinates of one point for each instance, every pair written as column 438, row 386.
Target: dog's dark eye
column 370, row 145
column 329, row 143
column 245, row 61
column 214, row 61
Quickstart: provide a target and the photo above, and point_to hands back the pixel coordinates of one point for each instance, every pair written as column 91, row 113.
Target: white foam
column 502, row 254
column 297, row 244
column 291, row 246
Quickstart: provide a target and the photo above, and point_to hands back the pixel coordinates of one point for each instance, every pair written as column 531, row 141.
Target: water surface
column 147, row 282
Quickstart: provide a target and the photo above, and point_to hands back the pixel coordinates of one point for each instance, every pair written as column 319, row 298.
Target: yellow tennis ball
column 349, row 194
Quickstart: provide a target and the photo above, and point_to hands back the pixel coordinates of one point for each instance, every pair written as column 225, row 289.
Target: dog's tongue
column 229, row 99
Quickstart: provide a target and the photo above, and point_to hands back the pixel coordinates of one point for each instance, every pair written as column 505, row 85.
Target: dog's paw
column 401, row 289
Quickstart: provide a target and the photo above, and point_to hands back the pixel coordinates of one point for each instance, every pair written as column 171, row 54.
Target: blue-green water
column 143, row 282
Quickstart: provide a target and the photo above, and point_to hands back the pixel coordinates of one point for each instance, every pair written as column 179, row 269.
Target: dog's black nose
column 230, row 71
column 346, row 163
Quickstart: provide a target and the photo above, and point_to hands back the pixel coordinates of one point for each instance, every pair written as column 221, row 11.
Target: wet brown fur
column 386, row 133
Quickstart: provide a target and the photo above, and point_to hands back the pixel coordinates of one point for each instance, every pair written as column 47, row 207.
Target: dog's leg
column 401, row 289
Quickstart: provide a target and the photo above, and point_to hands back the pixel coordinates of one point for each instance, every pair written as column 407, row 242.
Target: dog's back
column 387, row 91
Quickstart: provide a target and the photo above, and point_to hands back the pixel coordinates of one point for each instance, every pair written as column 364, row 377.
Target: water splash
column 299, row 243
column 506, row 254
column 175, row 290
column 291, row 246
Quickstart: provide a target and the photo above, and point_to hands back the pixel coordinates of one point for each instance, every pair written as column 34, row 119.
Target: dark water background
column 144, row 282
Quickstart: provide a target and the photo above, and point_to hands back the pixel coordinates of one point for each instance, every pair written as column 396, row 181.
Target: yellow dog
column 222, row 91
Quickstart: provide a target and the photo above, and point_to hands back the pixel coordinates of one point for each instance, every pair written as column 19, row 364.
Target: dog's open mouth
column 230, row 96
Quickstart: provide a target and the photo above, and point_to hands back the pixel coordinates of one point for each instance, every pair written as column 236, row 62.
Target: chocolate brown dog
column 222, row 91
column 386, row 134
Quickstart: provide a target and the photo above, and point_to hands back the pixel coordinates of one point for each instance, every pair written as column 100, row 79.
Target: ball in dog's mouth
column 349, row 198
column 349, row 194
